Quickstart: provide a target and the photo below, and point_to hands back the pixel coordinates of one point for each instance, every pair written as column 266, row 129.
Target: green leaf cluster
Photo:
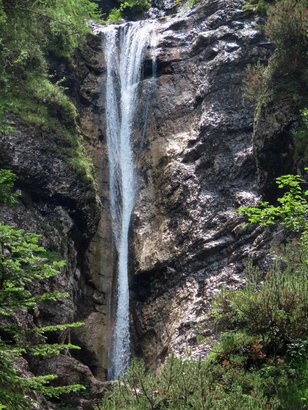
column 135, row 4
column 7, row 181
column 291, row 209
column 126, row 7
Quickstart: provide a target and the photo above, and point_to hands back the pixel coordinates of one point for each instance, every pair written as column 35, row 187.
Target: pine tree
column 23, row 264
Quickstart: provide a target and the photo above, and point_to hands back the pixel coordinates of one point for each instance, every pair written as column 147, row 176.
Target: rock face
column 59, row 202
column 197, row 166
column 97, row 283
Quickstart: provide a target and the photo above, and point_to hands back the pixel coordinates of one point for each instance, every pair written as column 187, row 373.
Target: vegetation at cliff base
column 24, row 270
column 260, row 361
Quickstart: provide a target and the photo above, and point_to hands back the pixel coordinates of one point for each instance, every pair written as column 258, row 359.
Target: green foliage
column 21, row 263
column 260, row 361
column 258, row 6
column 254, row 84
column 271, row 310
column 31, row 33
column 187, row 384
column 60, row 27
column 24, row 268
column 265, row 325
column 125, row 7
column 7, row 180
column 135, row 5
column 286, row 75
column 53, row 98
column 287, row 29
column 114, row 16
column 291, row 209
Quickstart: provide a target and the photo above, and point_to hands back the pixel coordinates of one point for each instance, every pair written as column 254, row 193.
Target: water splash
column 125, row 48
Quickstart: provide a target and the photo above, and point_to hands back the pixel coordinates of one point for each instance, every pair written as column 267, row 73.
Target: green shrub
column 114, row 16
column 287, row 29
column 125, row 8
column 254, row 84
column 7, row 181
column 188, row 384
column 286, row 75
column 291, row 209
column 53, row 98
column 258, row 6
column 135, row 5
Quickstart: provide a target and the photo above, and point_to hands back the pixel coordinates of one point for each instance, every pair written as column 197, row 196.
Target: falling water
column 125, row 48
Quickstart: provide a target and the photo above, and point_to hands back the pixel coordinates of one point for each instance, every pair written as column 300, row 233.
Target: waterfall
column 125, row 48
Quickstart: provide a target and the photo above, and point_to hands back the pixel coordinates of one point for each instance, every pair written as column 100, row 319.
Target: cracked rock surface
column 197, row 166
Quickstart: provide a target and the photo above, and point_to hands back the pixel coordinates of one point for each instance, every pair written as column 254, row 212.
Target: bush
column 286, row 75
column 254, row 84
column 126, row 8
column 114, row 16
column 286, row 27
column 7, row 181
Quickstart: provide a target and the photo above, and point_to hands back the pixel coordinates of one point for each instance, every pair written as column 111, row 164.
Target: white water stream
column 125, row 48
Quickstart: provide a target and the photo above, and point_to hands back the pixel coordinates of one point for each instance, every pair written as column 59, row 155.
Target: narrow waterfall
column 125, row 48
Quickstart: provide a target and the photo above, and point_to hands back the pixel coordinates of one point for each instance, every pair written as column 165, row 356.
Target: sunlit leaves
column 291, row 210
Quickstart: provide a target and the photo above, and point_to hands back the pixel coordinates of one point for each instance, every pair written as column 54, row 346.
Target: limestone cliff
column 197, row 165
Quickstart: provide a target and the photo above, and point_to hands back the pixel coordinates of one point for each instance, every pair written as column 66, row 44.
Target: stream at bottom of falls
column 125, row 48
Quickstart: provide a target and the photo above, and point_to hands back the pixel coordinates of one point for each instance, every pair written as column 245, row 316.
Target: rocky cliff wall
column 197, row 166
column 59, row 202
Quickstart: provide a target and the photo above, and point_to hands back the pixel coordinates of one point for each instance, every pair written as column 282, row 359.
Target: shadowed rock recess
column 196, row 164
